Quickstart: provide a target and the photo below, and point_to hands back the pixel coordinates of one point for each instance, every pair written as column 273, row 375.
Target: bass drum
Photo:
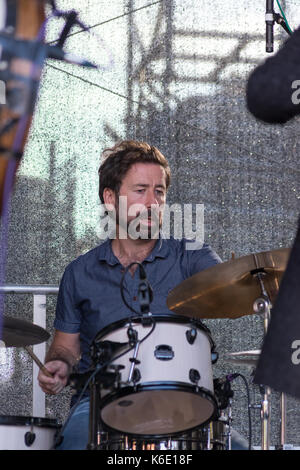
column 27, row 433
column 211, row 437
column 167, row 389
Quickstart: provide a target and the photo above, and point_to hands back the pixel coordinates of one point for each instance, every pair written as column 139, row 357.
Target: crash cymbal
column 20, row 333
column 250, row 358
column 254, row 353
column 251, row 362
column 228, row 290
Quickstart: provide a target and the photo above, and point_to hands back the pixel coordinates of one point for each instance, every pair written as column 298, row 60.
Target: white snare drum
column 171, row 388
column 27, row 433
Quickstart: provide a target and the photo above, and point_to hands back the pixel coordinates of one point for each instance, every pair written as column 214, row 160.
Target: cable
column 142, row 275
column 249, row 408
column 92, row 83
column 222, row 138
column 122, row 287
column 284, row 17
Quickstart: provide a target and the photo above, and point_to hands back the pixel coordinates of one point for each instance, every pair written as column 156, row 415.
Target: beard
column 144, row 225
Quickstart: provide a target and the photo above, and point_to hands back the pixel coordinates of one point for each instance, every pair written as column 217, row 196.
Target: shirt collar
column 160, row 250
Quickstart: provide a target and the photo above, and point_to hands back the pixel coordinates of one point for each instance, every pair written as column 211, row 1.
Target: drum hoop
column 12, row 420
column 172, row 318
column 153, row 386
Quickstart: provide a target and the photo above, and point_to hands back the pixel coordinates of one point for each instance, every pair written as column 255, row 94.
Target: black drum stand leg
column 94, row 416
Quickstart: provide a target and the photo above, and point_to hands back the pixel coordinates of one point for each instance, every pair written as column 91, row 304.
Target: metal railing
column 39, row 293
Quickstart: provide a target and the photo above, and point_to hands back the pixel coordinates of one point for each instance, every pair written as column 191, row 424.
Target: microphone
column 145, row 292
column 270, row 25
column 226, row 379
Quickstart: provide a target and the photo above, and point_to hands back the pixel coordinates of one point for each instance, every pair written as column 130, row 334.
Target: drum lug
column 136, row 376
column 29, row 438
column 194, row 376
column 191, row 335
column 214, row 356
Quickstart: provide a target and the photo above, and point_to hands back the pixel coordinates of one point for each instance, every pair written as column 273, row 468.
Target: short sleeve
column 67, row 316
column 201, row 259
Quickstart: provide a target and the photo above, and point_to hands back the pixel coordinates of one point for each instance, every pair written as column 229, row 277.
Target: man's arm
column 63, row 355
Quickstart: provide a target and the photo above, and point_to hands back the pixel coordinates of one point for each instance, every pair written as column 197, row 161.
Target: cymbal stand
column 282, row 422
column 262, row 305
column 94, row 415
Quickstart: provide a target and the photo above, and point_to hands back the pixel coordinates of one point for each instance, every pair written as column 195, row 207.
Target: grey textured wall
column 172, row 73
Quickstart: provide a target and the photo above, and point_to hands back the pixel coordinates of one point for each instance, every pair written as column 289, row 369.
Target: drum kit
column 151, row 381
column 160, row 393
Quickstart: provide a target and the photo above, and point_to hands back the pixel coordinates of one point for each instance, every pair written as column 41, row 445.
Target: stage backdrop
column 172, row 73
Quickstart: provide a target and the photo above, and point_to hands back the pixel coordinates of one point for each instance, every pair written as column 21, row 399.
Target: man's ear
column 109, row 198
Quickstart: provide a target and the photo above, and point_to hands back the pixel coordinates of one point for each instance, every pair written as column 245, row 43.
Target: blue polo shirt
column 89, row 296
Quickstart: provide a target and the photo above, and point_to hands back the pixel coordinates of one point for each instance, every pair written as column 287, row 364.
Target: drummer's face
column 143, row 190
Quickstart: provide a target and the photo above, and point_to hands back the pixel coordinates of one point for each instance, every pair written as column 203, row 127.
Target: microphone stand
column 270, row 25
column 271, row 18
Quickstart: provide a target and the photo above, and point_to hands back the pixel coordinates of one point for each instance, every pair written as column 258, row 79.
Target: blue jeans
column 76, row 433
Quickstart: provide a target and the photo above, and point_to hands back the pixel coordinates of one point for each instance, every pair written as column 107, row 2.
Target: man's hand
column 60, row 371
column 63, row 355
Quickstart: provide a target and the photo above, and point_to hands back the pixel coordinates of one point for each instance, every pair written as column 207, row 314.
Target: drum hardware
column 29, row 438
column 104, row 351
column 191, row 335
column 262, row 305
column 194, row 376
column 282, row 444
column 250, row 358
column 134, row 361
column 224, row 395
column 164, row 352
column 93, row 441
column 94, row 378
column 214, row 356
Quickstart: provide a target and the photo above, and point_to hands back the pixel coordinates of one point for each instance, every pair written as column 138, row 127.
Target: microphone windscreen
column 270, row 93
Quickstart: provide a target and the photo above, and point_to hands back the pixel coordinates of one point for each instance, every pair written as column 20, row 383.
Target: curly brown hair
column 119, row 159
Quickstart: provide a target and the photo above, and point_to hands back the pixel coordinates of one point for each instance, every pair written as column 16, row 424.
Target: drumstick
column 38, row 362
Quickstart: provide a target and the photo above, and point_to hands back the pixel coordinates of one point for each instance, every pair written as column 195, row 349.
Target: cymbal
column 229, row 289
column 250, row 362
column 250, row 357
column 19, row 333
column 254, row 353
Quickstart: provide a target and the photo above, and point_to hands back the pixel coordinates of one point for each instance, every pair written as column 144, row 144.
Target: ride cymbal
column 229, row 289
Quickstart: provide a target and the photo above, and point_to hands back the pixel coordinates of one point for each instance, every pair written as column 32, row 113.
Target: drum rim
column 12, row 420
column 153, row 386
column 160, row 317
